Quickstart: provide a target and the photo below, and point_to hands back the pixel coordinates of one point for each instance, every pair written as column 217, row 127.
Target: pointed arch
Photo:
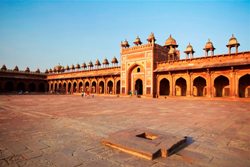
column 139, row 87
column 110, row 86
column 199, row 88
column 32, row 87
column 74, row 86
column 80, row 86
column 101, row 87
column 93, row 86
column 118, row 87
column 21, row 87
column 86, row 86
column 9, row 86
column 244, row 86
column 64, row 87
column 180, row 87
column 135, row 72
column 55, row 87
column 221, row 85
column 164, row 87
column 41, row 87
column 69, row 87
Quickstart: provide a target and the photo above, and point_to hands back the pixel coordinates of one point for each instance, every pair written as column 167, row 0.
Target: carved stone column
column 188, row 93
column 157, row 86
column 67, row 87
column 49, row 86
column 97, row 87
column 171, row 86
column 173, row 83
column 233, row 91
column 209, row 84
column 191, row 84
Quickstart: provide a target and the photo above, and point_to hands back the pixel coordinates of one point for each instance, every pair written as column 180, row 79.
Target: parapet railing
column 200, row 60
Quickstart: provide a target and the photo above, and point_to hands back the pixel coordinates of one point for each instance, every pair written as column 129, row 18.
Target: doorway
column 139, row 86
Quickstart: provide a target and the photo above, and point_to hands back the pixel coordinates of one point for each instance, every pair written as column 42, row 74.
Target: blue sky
column 45, row 33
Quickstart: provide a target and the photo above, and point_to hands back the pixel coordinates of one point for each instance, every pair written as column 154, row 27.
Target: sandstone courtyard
column 66, row 130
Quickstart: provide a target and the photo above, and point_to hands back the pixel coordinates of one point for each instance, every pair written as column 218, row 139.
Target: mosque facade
column 146, row 70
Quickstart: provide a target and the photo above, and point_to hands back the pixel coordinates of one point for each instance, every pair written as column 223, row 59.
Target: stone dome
column 171, row 41
column 38, row 70
column 78, row 66
column 27, row 69
column 189, row 49
column 16, row 68
column 233, row 41
column 114, row 60
column 84, row 65
column 46, row 71
column 209, row 45
column 137, row 41
column 58, row 67
column 125, row 44
column 54, row 70
column 72, row 67
column 67, row 67
column 97, row 62
column 151, row 37
column 105, row 61
column 62, row 69
column 4, row 68
column 50, row 70
column 90, row 64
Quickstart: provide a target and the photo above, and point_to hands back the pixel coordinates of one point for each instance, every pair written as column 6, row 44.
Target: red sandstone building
column 148, row 70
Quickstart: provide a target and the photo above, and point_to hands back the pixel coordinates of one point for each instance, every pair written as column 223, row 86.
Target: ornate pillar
column 90, row 86
column 209, row 84
column 49, row 86
column 236, row 85
column 105, row 86
column 77, row 87
column 54, row 86
column 66, row 88
column 188, row 93
column 157, row 86
column 171, row 85
column 114, row 88
column 233, row 83
column 212, row 52
column 97, row 87
column 174, row 86
column 71, row 88
column 191, row 84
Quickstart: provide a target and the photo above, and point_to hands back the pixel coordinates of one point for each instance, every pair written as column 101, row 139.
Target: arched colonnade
column 11, row 85
column 89, row 85
column 215, row 85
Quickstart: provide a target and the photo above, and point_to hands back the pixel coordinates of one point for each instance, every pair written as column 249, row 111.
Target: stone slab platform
column 145, row 143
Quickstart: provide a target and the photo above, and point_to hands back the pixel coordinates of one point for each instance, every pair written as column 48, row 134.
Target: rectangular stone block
column 144, row 143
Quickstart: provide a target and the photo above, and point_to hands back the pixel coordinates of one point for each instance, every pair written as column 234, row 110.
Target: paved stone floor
column 66, row 130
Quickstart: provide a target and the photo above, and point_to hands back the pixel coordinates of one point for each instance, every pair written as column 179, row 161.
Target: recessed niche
column 148, row 136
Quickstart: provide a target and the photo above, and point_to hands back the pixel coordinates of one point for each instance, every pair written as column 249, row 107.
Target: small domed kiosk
column 233, row 43
column 189, row 51
column 209, row 47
